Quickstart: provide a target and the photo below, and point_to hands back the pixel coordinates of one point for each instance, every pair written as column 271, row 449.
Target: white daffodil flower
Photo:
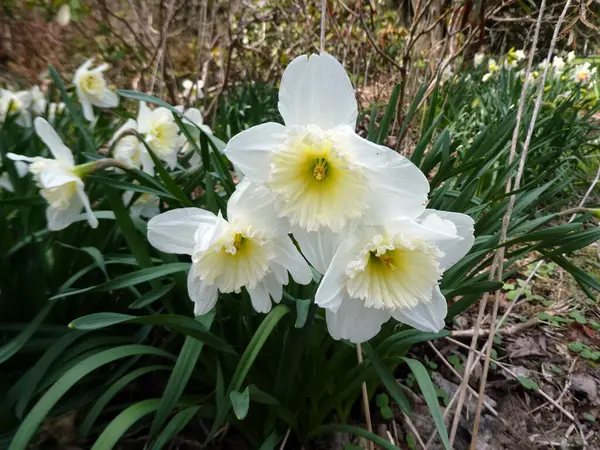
column 146, row 205
column 493, row 65
column 59, row 180
column 583, row 73
column 520, row 55
column 194, row 117
column 92, row 89
column 16, row 103
column 193, row 90
column 570, row 56
column 478, row 59
column 21, row 168
column 323, row 174
column 486, row 77
column 38, row 101
column 55, row 110
column 160, row 132
column 251, row 249
column 393, row 270
column 558, row 64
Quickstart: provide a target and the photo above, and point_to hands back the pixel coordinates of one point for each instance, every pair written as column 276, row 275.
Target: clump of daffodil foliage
column 225, row 276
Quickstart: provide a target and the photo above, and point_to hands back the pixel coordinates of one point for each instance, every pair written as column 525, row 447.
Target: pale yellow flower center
column 60, row 196
column 235, row 260
column 317, row 185
column 92, row 83
column 393, row 273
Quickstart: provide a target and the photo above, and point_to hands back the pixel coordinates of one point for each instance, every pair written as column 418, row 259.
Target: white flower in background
column 92, row 89
column 478, row 59
column 63, row 17
column 192, row 90
column 55, row 110
column 146, row 205
column 38, row 101
column 324, row 176
column 558, row 64
column 161, row 132
column 387, row 271
column 542, row 65
column 583, row 73
column 16, row 103
column 570, row 56
column 59, row 180
column 447, row 74
column 486, row 77
column 519, row 55
column 493, row 65
column 251, row 249
column 21, row 168
column 193, row 117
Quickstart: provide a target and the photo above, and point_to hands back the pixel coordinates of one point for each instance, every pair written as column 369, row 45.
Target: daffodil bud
column 63, row 17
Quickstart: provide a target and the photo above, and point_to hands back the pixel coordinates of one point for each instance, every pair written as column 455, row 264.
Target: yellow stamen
column 388, row 262
column 237, row 241
column 320, row 169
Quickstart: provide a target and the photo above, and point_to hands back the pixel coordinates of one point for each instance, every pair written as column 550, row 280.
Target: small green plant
column 383, row 403
column 528, row 383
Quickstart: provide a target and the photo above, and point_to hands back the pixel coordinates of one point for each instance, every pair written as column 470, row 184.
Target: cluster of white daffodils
column 584, row 74
column 192, row 91
column 25, row 104
column 92, row 89
column 157, row 127
column 355, row 209
column 60, row 180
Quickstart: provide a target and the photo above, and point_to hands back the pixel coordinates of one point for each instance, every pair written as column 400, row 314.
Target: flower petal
column 318, row 247
column 253, row 204
column 454, row 249
column 249, row 150
column 316, row 90
column 354, row 322
column 91, row 218
column 288, row 256
column 274, row 287
column 53, row 141
column 332, row 289
column 109, row 100
column 5, row 182
column 261, row 301
column 86, row 107
column 144, row 118
column 204, row 297
column 61, row 218
column 129, row 124
column 425, row 316
column 397, row 186
column 174, row 231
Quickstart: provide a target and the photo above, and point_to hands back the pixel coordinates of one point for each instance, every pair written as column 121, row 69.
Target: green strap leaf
column 247, row 359
column 186, row 362
column 240, row 402
column 12, row 347
column 387, row 378
column 125, row 420
column 182, row 324
column 151, row 296
column 338, row 427
column 174, row 427
column 41, row 409
column 428, row 391
column 110, row 393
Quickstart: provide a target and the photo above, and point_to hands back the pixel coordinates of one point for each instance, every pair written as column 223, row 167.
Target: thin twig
column 457, row 375
column 414, row 431
column 365, row 397
column 323, row 24
column 507, row 216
